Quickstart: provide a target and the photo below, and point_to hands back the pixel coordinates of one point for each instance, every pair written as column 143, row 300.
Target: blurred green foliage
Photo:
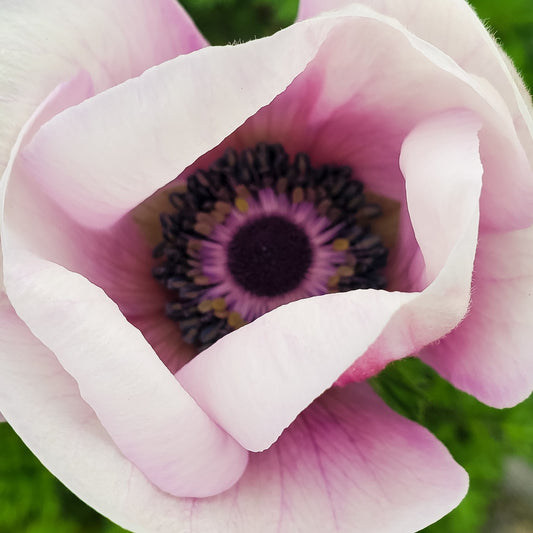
column 33, row 501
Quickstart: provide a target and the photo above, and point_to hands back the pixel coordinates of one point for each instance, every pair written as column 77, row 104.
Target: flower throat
column 256, row 231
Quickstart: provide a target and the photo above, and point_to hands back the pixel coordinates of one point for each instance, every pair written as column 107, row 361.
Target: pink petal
column 43, row 405
column 119, row 260
column 333, row 467
column 46, row 43
column 453, row 28
column 271, row 369
column 151, row 418
column 173, row 116
column 348, row 463
column 489, row 354
column 379, row 98
column 68, row 93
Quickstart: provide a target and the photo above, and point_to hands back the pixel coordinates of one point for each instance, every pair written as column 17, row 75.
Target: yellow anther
column 323, row 207
column 333, row 282
column 205, row 218
column 345, row 271
column 219, row 304
column 297, row 195
column 241, row 204
column 340, row 245
column 202, row 280
column 205, row 305
column 203, row 228
column 235, row 320
column 281, row 185
column 223, row 207
column 218, row 216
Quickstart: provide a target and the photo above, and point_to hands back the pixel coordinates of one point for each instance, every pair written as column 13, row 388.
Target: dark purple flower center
column 269, row 256
column 256, row 231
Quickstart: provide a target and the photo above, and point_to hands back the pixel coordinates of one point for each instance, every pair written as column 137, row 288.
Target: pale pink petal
column 312, row 8
column 46, row 43
column 347, row 464
column 174, row 114
column 490, row 355
column 68, row 93
column 359, row 118
column 152, row 419
column 271, row 369
column 119, row 260
column 333, row 467
column 453, row 28
column 43, row 404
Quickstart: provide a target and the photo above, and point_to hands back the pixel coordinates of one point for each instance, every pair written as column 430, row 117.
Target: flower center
column 269, row 256
column 256, row 231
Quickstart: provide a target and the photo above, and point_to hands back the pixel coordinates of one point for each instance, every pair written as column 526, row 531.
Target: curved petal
column 152, row 419
column 271, row 369
column 334, row 469
column 68, row 93
column 185, row 118
column 453, row 27
column 490, row 354
column 179, row 126
column 46, row 43
column 347, row 464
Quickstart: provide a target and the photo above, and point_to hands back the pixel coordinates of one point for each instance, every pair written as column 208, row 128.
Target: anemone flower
column 203, row 263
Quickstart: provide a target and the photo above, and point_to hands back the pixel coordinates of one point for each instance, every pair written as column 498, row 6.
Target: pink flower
column 420, row 103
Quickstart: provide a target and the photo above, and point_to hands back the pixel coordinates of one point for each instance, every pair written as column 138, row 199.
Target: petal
column 336, row 467
column 46, row 43
column 347, row 464
column 454, row 29
column 271, row 369
column 489, row 355
column 382, row 96
column 68, row 93
column 154, row 422
column 152, row 419
column 43, row 405
column 173, row 116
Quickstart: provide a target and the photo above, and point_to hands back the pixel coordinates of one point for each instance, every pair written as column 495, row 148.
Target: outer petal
column 152, row 419
column 187, row 106
column 186, row 117
column 453, row 27
column 349, row 464
column 271, row 369
column 490, row 355
column 45, row 43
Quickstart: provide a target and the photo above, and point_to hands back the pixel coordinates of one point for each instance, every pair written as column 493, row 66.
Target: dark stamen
column 269, row 255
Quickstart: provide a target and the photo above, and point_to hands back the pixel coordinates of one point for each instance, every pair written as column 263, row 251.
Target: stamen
column 256, row 231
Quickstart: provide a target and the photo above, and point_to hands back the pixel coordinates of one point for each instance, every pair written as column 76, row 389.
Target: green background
column 482, row 439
